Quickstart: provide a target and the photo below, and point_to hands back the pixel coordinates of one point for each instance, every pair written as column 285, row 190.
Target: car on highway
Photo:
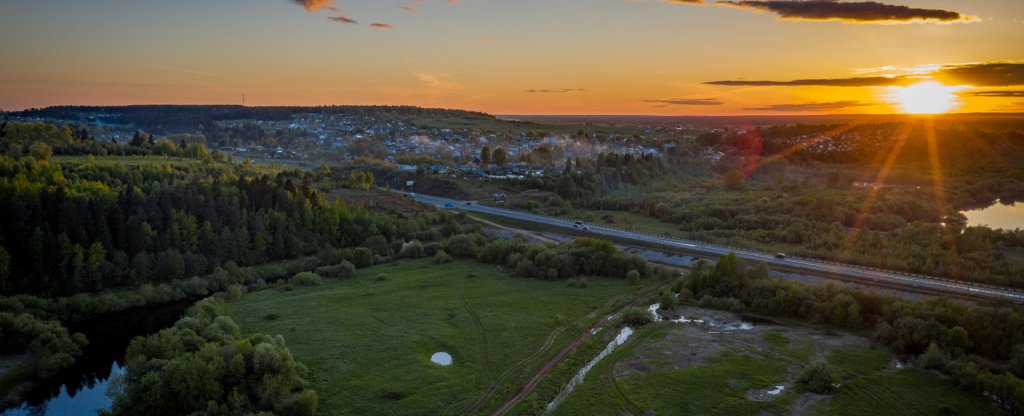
column 449, row 205
column 781, row 256
column 469, row 203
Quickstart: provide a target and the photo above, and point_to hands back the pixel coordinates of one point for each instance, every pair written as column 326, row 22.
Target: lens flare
column 925, row 98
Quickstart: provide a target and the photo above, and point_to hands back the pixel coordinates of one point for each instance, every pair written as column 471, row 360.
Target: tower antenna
column 243, row 99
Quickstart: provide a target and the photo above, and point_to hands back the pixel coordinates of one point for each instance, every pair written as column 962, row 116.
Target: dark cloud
column 557, row 90
column 343, row 19
column 1014, row 94
column 995, row 74
column 856, row 12
column 686, row 101
column 833, row 82
column 819, row 106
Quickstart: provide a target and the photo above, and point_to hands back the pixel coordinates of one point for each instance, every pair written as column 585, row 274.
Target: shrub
column 819, row 378
column 343, row 270
column 382, row 277
column 464, row 246
column 362, row 257
column 306, row 279
column 234, row 292
column 633, row 277
column 411, row 250
column 442, row 257
column 729, row 304
column 334, row 255
column 933, row 358
column 273, row 316
column 668, row 300
column 636, row 317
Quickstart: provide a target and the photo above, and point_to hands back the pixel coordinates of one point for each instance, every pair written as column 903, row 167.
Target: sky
column 659, row 57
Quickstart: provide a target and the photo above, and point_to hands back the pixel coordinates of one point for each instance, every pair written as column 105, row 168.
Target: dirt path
column 523, row 233
column 532, row 382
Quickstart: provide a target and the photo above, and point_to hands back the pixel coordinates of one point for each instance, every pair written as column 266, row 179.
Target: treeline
column 979, row 346
column 582, row 257
column 41, row 140
column 205, row 365
column 170, row 119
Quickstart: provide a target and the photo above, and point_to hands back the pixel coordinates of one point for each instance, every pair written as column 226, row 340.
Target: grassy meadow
column 368, row 340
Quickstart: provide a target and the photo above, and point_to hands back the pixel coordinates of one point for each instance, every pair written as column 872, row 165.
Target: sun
column 927, row 97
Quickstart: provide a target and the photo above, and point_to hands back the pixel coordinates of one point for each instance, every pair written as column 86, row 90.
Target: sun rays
column 927, row 97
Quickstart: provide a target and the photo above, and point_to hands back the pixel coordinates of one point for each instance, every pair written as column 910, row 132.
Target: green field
column 368, row 341
column 676, row 369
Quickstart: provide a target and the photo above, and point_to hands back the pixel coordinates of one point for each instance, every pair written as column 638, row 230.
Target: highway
column 912, row 282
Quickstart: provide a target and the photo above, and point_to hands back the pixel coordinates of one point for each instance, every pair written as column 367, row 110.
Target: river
column 82, row 389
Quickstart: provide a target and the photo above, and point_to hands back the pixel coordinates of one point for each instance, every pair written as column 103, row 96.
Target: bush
column 334, row 255
column 636, row 317
column 343, row 270
column 235, row 292
column 306, row 279
column 442, row 257
column 729, row 304
column 819, row 378
column 668, row 300
column 933, row 358
column 382, row 277
column 633, row 277
column 362, row 257
column 273, row 316
column 411, row 250
column 464, row 246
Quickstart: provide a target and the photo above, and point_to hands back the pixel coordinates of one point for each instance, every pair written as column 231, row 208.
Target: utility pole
column 243, row 99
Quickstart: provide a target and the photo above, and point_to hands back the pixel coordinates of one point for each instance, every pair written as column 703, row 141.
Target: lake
column 998, row 215
column 82, row 389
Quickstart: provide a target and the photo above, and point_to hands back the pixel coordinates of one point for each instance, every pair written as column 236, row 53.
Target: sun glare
column 925, row 98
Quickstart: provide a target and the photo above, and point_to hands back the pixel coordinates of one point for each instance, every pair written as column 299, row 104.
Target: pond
column 998, row 215
column 82, row 389
column 441, row 358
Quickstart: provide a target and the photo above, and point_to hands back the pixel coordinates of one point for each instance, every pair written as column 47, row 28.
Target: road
column 850, row 272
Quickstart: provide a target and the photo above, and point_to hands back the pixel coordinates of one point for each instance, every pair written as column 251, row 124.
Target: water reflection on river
column 998, row 215
column 82, row 389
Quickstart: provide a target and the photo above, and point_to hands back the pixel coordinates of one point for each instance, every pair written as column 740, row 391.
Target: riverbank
column 17, row 383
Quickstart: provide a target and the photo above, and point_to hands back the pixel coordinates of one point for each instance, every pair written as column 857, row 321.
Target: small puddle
column 580, row 375
column 441, row 358
column 712, row 324
column 653, row 309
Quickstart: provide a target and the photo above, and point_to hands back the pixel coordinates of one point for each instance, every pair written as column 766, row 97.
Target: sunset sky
column 516, row 56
